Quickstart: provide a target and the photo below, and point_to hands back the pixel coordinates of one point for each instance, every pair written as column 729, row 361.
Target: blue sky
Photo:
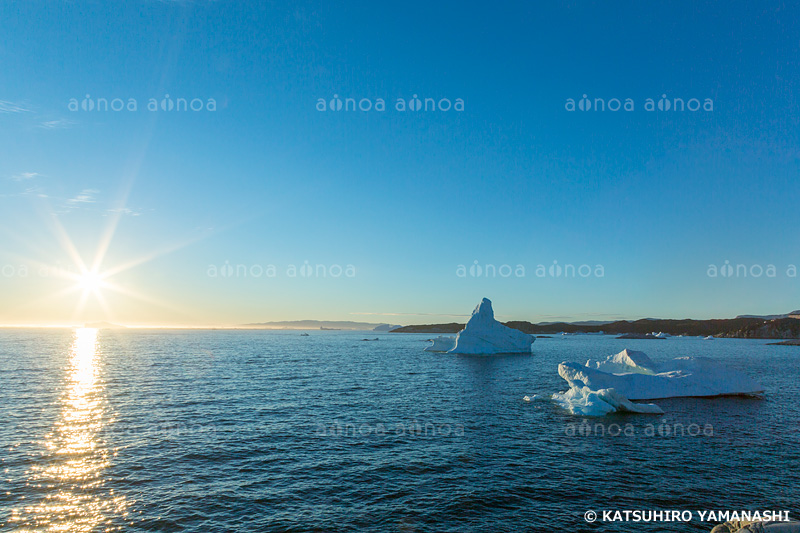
column 405, row 197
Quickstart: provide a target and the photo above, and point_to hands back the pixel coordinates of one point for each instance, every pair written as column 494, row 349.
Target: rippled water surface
column 273, row 431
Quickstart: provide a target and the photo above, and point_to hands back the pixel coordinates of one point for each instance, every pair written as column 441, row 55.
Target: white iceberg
column 636, row 377
column 581, row 400
column 484, row 335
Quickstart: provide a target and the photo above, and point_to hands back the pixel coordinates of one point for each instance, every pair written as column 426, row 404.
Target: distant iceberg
column 635, row 376
column 484, row 335
column 639, row 336
column 386, row 327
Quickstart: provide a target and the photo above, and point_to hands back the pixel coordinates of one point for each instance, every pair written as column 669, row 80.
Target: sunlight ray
column 152, row 255
column 147, row 299
column 66, row 242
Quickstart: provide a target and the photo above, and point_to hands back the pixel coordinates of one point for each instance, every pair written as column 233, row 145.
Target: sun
column 90, row 281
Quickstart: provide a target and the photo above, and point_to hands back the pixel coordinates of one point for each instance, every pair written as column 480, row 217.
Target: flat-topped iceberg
column 636, row 377
column 484, row 335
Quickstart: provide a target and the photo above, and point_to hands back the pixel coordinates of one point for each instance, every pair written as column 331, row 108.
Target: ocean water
column 210, row 431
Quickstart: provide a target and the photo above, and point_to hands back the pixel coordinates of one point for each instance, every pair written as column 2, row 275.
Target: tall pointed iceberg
column 484, row 335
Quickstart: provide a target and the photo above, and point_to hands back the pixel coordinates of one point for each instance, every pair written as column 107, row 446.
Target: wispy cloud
column 82, row 200
column 577, row 317
column 24, row 176
column 87, row 199
column 584, row 315
column 125, row 211
column 35, row 191
column 34, row 117
column 12, row 107
column 86, row 196
column 56, row 124
column 408, row 314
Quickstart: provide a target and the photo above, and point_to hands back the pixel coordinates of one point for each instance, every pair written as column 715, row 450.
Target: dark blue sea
column 225, row 430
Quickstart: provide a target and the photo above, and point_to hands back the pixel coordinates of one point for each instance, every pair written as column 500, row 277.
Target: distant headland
column 322, row 324
column 749, row 327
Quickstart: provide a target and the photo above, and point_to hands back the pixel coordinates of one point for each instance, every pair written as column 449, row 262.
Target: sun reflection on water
column 70, row 476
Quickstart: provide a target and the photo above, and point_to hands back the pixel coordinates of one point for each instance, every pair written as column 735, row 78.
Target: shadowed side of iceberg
column 442, row 343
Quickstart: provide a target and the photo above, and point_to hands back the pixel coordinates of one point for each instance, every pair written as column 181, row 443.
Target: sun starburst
column 91, row 282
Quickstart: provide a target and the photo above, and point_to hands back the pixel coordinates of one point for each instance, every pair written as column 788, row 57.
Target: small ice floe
column 484, row 335
column 537, row 398
column 709, row 338
column 636, row 377
column 581, row 400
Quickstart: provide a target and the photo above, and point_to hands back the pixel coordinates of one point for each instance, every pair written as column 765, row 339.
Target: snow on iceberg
column 626, row 361
column 484, row 335
column 636, row 377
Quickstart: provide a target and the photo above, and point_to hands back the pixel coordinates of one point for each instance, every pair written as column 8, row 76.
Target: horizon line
column 263, row 325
